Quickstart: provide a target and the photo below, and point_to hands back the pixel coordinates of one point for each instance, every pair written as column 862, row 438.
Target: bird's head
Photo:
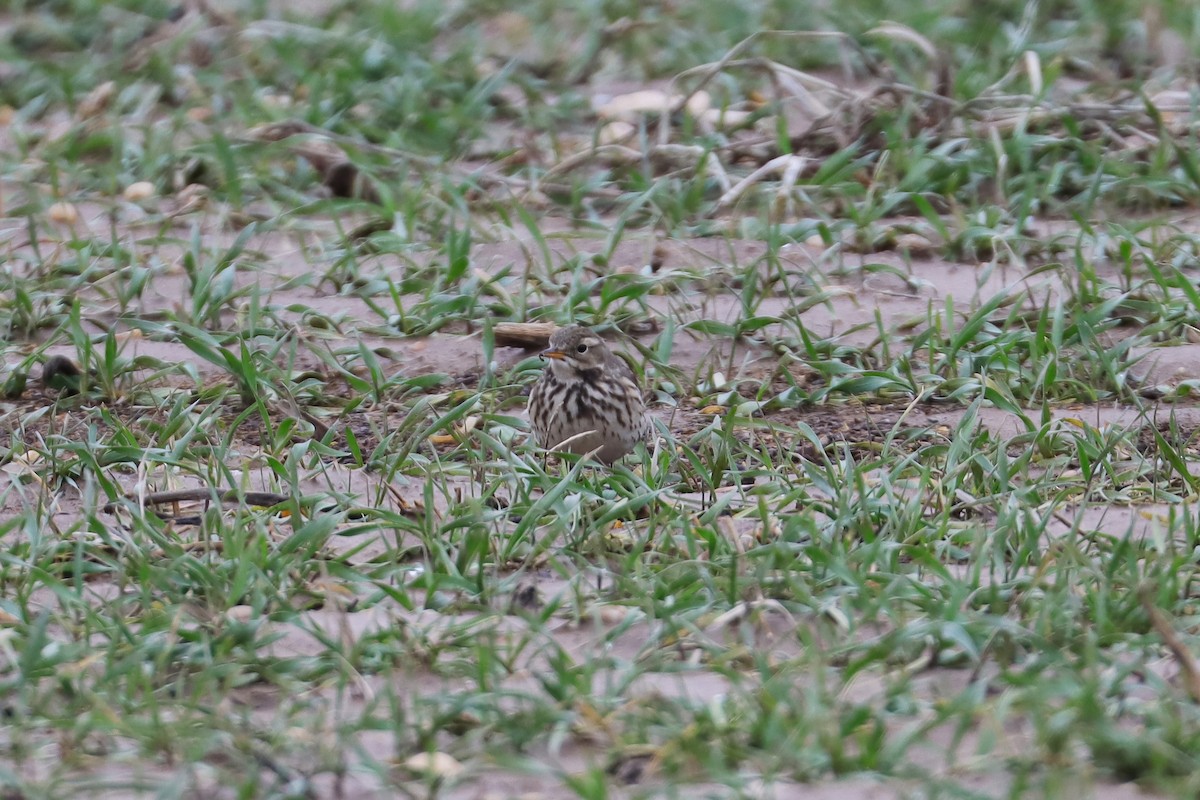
column 574, row 350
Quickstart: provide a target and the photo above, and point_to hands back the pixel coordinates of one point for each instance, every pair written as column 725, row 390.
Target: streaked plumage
column 587, row 398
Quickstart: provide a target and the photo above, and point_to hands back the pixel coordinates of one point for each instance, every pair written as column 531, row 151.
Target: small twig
column 710, row 71
column 613, row 153
column 1162, row 626
column 777, row 164
column 264, row 499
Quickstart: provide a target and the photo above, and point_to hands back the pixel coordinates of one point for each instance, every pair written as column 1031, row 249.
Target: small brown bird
column 587, row 398
column 61, row 374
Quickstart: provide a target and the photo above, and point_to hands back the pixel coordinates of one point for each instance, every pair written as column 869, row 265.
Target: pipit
column 61, row 374
column 587, row 399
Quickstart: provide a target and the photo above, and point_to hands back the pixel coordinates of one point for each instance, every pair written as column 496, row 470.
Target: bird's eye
column 581, row 348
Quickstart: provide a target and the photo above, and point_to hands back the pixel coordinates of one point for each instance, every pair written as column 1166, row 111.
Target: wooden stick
column 195, row 495
column 527, row 335
column 1187, row 662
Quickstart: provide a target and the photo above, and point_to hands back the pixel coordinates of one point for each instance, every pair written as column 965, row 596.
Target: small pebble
column 435, row 765
column 136, row 192
column 65, row 213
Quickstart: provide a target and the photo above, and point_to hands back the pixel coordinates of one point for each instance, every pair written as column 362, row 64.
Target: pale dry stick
column 1006, row 113
column 808, row 101
column 898, row 31
column 788, row 82
column 744, row 610
column 1001, row 156
column 1015, row 70
column 490, row 284
column 680, row 153
column 685, row 156
column 1122, row 143
column 911, row 91
column 845, row 103
column 716, row 170
column 619, row 152
column 1018, row 66
column 791, row 176
column 526, row 335
column 805, row 84
column 1033, row 67
column 1162, row 626
column 709, row 71
column 673, row 174
column 811, row 82
column 778, row 164
column 1029, row 64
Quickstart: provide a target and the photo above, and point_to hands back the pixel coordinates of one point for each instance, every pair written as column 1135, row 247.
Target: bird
column 62, row 374
column 587, row 399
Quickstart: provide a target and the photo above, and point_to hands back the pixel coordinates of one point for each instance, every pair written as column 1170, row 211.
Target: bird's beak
column 555, row 354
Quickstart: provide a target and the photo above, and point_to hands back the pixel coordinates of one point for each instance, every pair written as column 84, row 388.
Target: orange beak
column 555, row 354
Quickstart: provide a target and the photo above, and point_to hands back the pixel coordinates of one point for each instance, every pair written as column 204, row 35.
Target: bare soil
column 883, row 294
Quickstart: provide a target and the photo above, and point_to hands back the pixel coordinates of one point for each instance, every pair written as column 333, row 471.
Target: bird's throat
column 564, row 371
